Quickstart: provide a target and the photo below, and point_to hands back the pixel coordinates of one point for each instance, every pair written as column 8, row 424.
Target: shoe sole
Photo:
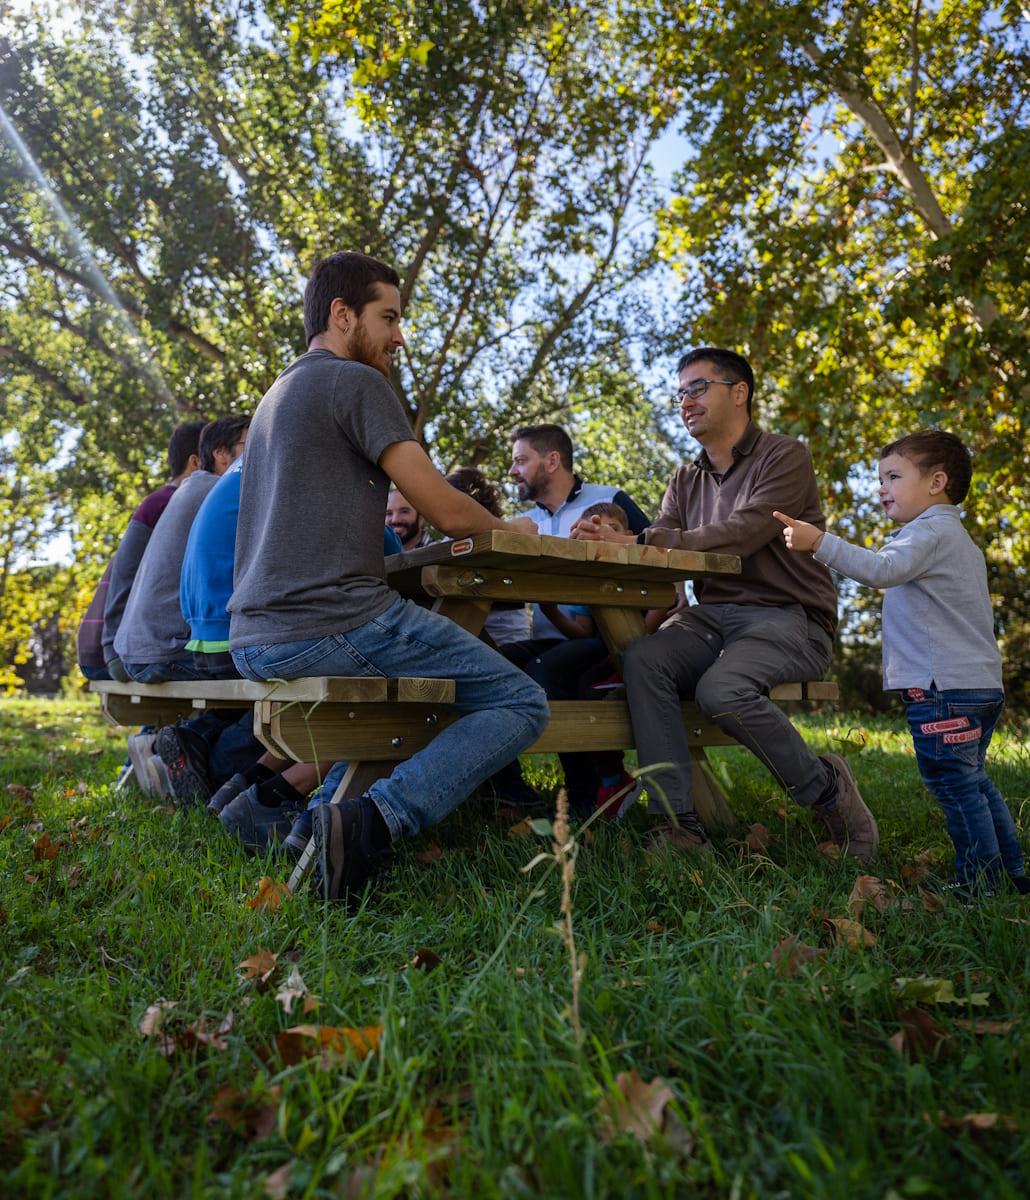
column 141, row 748
column 157, row 774
column 193, row 788
column 850, row 805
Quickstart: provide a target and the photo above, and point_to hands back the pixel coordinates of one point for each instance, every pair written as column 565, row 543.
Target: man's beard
column 362, row 351
column 530, row 489
column 407, row 530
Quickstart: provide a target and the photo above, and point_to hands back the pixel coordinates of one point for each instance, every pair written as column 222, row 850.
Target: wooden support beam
column 488, row 584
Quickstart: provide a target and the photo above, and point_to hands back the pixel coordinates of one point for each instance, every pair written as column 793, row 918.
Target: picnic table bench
column 373, row 723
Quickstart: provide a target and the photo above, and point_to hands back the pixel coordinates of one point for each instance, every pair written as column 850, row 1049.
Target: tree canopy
column 850, row 211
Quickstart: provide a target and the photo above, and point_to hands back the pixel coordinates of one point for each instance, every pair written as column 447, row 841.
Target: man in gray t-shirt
column 310, row 594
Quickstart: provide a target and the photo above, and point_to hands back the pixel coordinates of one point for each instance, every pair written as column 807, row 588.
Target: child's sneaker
column 617, row 798
column 227, row 792
column 297, row 839
column 257, row 825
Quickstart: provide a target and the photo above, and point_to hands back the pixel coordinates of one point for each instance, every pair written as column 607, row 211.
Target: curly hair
column 474, row 483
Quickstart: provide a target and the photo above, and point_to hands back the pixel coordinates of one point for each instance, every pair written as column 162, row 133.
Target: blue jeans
column 503, row 711
column 951, row 731
column 188, row 666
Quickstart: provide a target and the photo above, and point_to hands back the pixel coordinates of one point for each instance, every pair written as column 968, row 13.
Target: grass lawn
column 776, row 1076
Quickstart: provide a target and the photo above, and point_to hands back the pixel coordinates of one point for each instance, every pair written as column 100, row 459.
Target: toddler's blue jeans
column 951, row 731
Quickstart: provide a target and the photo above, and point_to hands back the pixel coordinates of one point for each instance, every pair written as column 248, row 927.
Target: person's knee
column 719, row 696
column 532, row 701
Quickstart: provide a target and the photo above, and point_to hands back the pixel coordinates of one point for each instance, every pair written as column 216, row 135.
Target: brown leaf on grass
column 654, row 926
column 5, row 820
column 425, row 959
column 250, row 1116
column 984, row 1025
column 198, row 1034
column 291, row 991
column 976, row 1122
column 696, row 878
column 521, row 829
column 930, row 901
column 164, row 810
column 790, row 954
column 919, row 1035
column 153, row 1019
column 310, row 1005
column 271, row 894
column 260, row 967
column 277, row 1184
column 30, row 878
column 870, row 890
column 757, row 838
column 73, row 874
column 829, row 850
column 28, row 1106
column 849, row 933
column 303, row 1041
column 634, row 1107
column 441, row 1140
column 45, row 848
column 20, row 792
column 919, row 868
column 431, row 854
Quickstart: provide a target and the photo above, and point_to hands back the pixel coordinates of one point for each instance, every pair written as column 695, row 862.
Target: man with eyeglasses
column 771, row 624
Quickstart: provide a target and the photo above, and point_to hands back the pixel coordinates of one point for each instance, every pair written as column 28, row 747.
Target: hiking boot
column 1020, row 883
column 141, row 748
column 348, row 839
column 228, row 791
column 850, row 823
column 687, row 835
column 182, row 764
column 257, row 825
column 297, row 839
column 616, row 799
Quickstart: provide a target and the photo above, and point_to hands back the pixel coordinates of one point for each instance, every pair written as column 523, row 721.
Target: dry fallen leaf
column 977, row 1122
column 260, row 967
column 868, row 890
column 271, row 895
column 431, row 854
column 849, row 933
column 425, row 959
column 757, row 838
column 303, row 1041
column 44, row 848
column 634, row 1107
column 28, row 1106
column 521, row 829
column 790, row 954
column 919, row 1035
column 654, row 926
column 20, row 792
column 198, row 1034
column 152, row 1020
column 5, row 820
column 250, row 1116
column 291, row 991
column 919, row 868
column 984, row 1025
column 277, row 1184
column 924, row 990
column 829, row 850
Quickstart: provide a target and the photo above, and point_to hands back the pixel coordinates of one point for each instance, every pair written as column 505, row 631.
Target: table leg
column 619, row 627
column 469, row 614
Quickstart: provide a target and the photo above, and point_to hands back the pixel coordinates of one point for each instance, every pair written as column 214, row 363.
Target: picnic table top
column 540, row 552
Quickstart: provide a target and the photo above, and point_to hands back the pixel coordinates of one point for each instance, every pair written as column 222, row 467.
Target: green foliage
column 854, row 216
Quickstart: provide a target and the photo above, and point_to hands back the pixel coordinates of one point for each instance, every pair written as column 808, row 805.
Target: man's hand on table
column 590, row 529
column 521, row 525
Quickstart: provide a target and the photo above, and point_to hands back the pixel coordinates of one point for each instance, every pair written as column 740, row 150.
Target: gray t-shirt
column 309, row 545
column 938, row 626
column 152, row 628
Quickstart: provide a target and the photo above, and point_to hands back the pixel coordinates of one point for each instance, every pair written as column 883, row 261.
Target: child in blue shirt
column 939, row 649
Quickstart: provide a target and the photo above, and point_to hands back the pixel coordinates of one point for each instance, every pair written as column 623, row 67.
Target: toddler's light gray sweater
column 938, row 626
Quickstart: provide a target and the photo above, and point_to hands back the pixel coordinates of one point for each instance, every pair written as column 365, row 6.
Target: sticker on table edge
column 463, row 546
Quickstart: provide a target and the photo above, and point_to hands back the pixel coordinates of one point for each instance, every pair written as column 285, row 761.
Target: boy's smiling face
column 906, row 490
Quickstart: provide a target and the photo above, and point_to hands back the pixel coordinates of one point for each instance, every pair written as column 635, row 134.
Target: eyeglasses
column 696, row 388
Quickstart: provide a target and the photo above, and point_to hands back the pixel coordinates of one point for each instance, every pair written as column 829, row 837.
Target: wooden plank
column 469, row 614
column 241, row 693
column 486, row 583
column 412, row 690
column 786, row 691
column 143, row 710
column 502, row 544
column 821, row 689
column 618, row 627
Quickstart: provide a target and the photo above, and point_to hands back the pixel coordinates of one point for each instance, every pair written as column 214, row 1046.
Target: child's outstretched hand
column 799, row 535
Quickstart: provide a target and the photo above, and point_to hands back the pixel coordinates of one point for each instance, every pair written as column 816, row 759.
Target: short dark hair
column 544, row 439
column 935, row 450
column 475, row 484
column 185, row 440
column 732, row 364
column 605, row 508
column 349, row 276
column 222, row 434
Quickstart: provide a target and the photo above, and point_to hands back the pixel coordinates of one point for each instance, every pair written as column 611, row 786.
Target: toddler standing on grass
column 939, row 649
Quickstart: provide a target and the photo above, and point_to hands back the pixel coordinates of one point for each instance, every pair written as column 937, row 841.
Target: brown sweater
column 732, row 514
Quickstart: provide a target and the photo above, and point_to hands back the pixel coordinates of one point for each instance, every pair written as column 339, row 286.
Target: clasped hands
column 591, row 529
